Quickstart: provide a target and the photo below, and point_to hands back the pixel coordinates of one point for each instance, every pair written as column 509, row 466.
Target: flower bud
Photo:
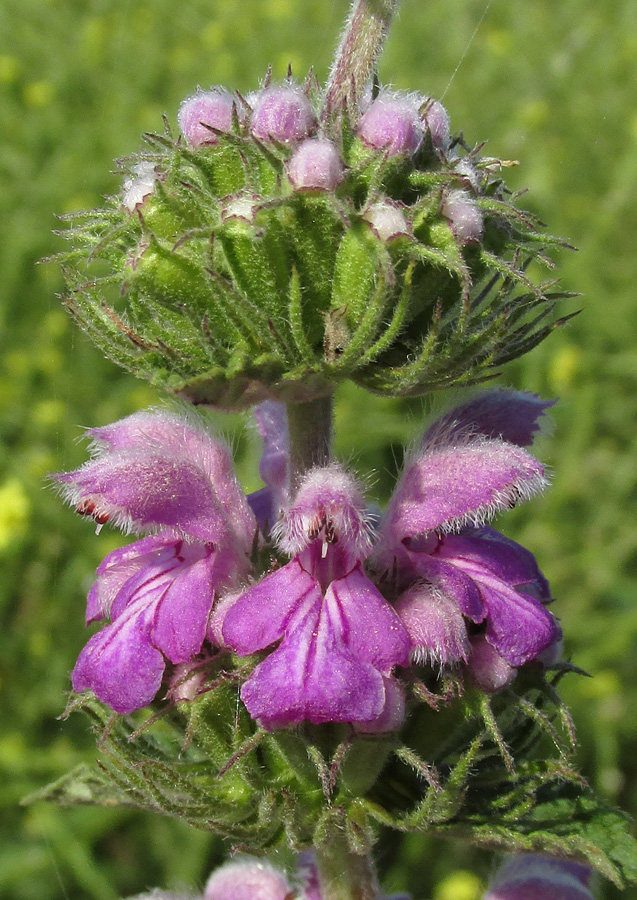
column 315, row 166
column 487, row 669
column 247, row 879
column 537, row 877
column 282, row 114
column 387, row 220
column 137, row 188
column 464, row 217
column 436, row 121
column 241, row 207
column 435, row 626
column 205, row 108
column 391, row 124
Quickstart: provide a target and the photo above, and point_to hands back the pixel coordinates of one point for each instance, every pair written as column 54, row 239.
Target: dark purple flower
column 534, row 876
column 338, row 638
column 468, row 467
column 157, row 472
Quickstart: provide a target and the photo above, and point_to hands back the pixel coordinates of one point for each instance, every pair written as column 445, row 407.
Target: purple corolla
column 338, row 638
column 161, row 473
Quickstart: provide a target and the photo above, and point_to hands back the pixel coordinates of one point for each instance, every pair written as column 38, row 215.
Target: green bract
column 213, row 277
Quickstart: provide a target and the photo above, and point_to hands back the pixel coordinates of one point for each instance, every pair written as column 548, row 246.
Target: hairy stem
column 362, row 41
column 310, row 426
column 345, row 875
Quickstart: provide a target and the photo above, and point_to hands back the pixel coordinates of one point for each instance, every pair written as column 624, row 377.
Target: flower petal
column 328, row 504
column 162, row 469
column 449, row 581
column 512, row 416
column 260, row 616
column 435, row 626
column 313, row 676
column 117, row 574
column 272, row 422
column 182, row 615
column 371, row 628
column 119, row 664
column 518, row 625
column 453, row 487
column 500, row 556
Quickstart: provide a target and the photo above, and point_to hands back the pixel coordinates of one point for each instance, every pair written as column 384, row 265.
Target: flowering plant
column 292, row 667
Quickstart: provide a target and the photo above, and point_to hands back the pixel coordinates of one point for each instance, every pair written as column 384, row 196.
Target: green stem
column 362, row 41
column 344, row 875
column 310, row 426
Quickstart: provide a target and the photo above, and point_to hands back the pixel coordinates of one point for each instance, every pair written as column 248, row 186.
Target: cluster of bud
column 270, row 251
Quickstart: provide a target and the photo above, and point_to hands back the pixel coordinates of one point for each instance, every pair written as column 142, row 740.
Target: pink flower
column 157, row 472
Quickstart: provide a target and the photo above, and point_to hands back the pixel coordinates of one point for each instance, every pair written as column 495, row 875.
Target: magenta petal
column 370, row 626
column 119, row 664
column 182, row 615
column 512, row 416
column 518, row 626
column 120, row 567
column 313, row 676
column 451, row 582
column 499, row 555
column 260, row 616
column 456, row 486
column 435, row 625
column 137, row 489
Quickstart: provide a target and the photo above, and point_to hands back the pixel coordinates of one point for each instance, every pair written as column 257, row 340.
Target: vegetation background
column 553, row 85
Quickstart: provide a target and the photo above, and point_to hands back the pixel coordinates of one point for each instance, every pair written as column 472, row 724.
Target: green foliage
column 547, row 84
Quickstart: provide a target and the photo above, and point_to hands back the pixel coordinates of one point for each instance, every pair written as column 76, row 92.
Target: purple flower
column 469, row 466
column 436, row 121
column 338, row 638
column 267, row 503
column 247, row 879
column 157, row 472
column 464, row 216
column 533, row 876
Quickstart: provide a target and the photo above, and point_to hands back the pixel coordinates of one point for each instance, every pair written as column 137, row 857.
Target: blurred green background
column 553, row 85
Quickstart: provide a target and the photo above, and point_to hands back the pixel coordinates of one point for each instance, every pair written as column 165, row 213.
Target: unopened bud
column 239, row 206
column 391, row 124
column 282, row 114
column 436, row 121
column 465, row 219
column 206, row 108
column 487, row 669
column 537, row 877
column 247, row 879
column 316, row 165
column 387, row 220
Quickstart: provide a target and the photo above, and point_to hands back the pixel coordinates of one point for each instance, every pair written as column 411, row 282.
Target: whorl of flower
column 339, row 638
column 465, row 218
column 139, row 185
column 536, row 877
column 205, row 113
column 157, row 472
column 316, row 165
column 282, row 113
column 247, row 879
column 387, row 220
column 391, row 124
